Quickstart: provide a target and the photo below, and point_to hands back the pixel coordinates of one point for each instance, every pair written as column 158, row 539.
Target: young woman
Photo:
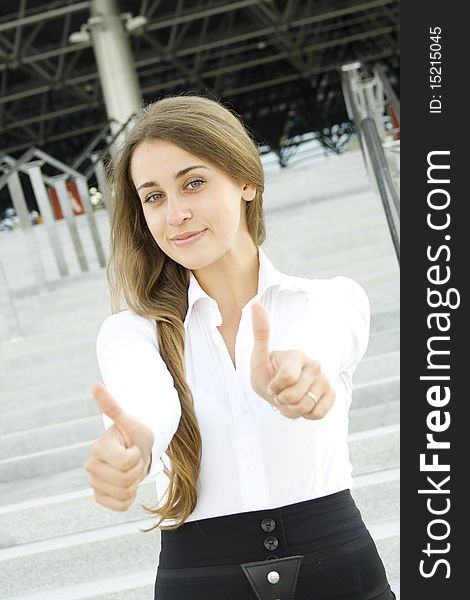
column 227, row 379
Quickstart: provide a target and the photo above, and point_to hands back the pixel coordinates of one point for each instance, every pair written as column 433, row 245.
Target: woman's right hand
column 120, row 458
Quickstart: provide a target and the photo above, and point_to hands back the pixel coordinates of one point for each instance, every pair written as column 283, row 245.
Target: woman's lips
column 190, row 240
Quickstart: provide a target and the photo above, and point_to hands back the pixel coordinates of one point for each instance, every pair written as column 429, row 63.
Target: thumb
column 260, row 323
column 113, row 410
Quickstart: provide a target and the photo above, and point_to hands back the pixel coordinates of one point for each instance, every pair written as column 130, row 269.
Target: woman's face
column 195, row 211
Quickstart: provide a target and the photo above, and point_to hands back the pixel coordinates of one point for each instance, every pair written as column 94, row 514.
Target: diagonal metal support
column 59, row 183
column 53, row 13
column 19, row 203
column 42, row 198
column 271, row 17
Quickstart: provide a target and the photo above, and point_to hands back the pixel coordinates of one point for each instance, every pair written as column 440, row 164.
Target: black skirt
column 313, row 550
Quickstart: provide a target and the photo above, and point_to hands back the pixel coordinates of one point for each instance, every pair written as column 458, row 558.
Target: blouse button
column 268, row 525
column 271, row 543
column 273, row 577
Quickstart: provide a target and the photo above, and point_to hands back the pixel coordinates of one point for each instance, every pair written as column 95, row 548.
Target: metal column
column 100, row 173
column 17, row 196
column 118, row 76
column 60, row 185
column 82, row 188
column 389, row 91
column 383, row 180
column 42, row 198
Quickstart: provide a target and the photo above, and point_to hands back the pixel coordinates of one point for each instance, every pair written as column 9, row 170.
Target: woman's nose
column 177, row 211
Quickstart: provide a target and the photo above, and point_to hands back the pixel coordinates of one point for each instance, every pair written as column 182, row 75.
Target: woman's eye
column 153, row 197
column 194, row 184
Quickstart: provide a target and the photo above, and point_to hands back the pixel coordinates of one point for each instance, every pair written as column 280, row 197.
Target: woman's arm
column 119, row 458
column 136, row 376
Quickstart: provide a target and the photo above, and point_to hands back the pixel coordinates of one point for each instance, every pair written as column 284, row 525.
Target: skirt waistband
column 300, row 528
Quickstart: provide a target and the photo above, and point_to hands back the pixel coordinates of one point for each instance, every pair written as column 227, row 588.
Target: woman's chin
column 192, row 261
column 196, row 265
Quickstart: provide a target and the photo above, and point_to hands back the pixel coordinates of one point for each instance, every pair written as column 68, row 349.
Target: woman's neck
column 233, row 280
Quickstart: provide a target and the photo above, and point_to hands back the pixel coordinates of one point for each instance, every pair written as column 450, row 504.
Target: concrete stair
column 56, row 542
column 59, row 454
column 114, row 538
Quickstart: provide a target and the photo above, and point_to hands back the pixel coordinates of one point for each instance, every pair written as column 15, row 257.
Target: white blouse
column 252, row 457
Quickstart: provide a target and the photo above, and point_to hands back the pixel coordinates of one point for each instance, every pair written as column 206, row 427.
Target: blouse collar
column 268, row 277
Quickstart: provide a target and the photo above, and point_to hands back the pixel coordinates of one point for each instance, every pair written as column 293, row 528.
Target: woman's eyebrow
column 148, row 184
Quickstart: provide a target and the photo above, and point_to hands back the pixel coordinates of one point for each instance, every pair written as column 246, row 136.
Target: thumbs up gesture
column 289, row 380
column 121, row 456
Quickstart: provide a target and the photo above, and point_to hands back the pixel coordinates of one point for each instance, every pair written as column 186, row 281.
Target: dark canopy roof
column 273, row 61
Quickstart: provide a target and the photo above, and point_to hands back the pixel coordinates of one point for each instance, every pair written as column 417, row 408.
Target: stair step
column 54, row 483
column 360, row 419
column 28, row 431
column 375, row 393
column 75, row 455
column 139, row 585
column 389, row 552
column 134, row 554
column 376, row 495
column 46, row 461
column 381, row 342
column 61, row 365
column 375, row 449
column 385, row 320
column 372, row 417
column 46, row 391
column 114, row 550
column 50, row 437
column 135, row 585
column 53, row 413
column 52, row 353
column 378, row 367
column 43, row 486
column 370, row 408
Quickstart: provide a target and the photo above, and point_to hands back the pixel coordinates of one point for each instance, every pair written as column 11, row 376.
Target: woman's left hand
column 287, row 379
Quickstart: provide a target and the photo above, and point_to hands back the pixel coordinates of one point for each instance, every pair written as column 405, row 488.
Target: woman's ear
column 248, row 192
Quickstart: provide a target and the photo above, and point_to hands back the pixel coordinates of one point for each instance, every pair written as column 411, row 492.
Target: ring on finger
column 312, row 396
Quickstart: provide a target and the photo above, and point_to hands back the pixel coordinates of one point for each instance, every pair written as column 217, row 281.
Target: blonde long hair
column 153, row 285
